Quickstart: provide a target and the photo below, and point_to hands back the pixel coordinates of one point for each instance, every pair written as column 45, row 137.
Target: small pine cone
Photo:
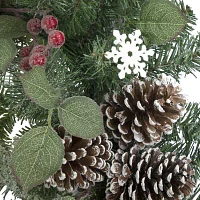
column 85, row 162
column 143, row 111
column 149, row 174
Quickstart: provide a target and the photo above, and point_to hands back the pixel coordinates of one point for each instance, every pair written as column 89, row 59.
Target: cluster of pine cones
column 134, row 120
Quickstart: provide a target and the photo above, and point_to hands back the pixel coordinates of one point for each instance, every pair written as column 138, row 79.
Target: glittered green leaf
column 81, row 117
column 161, row 21
column 38, row 89
column 8, row 51
column 36, row 156
column 12, row 27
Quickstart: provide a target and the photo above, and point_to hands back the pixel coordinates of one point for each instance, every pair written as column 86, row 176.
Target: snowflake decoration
column 128, row 51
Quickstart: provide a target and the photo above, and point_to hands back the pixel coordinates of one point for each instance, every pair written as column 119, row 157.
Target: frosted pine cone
column 85, row 162
column 143, row 111
column 149, row 174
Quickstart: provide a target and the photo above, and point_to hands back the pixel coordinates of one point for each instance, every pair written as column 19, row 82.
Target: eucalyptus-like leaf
column 8, row 51
column 12, row 27
column 81, row 117
column 161, row 21
column 38, row 89
column 36, row 156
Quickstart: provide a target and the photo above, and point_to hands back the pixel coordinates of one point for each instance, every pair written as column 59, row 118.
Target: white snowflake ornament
column 127, row 51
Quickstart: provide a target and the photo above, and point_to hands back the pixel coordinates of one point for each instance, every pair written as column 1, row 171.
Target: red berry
column 25, row 51
column 49, row 23
column 34, row 26
column 56, row 39
column 24, row 64
column 40, row 49
column 37, row 59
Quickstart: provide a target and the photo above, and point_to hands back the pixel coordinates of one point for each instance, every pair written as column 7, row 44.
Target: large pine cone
column 85, row 162
column 143, row 111
column 150, row 175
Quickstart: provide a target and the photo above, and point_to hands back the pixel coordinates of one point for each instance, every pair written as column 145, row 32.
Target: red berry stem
column 35, row 41
column 47, row 49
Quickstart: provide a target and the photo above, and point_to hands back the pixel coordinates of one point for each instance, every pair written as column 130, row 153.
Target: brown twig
column 78, row 2
column 35, row 42
column 83, row 195
column 23, row 10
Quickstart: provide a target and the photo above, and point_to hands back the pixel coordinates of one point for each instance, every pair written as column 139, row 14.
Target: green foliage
column 117, row 14
column 161, row 21
column 195, row 194
column 80, row 69
column 4, row 173
column 37, row 155
column 96, row 192
column 84, row 71
column 12, row 27
column 98, row 75
column 185, row 139
column 38, row 89
column 62, row 73
column 7, row 178
column 33, row 5
column 81, row 117
column 42, row 193
column 7, row 52
column 173, row 58
column 18, row 103
column 76, row 16
column 7, row 119
column 65, row 198
column 23, row 107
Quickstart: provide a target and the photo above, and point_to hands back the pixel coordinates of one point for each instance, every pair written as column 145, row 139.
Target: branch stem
column 22, row 10
column 49, row 118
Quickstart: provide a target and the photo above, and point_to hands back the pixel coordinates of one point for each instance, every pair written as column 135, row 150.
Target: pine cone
column 143, row 111
column 85, row 162
column 149, row 174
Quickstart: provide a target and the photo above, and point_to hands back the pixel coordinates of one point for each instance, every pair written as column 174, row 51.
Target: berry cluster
column 37, row 55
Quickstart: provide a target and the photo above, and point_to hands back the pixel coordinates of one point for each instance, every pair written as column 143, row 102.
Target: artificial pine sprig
column 79, row 69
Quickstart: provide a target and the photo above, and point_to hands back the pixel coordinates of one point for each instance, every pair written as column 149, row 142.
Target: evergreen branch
column 79, row 68
column 185, row 138
column 7, row 119
column 76, row 16
column 99, row 76
column 34, row 5
column 195, row 194
column 22, row 106
column 6, row 177
column 181, row 55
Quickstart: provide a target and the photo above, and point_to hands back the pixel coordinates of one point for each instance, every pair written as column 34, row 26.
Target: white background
column 188, row 84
